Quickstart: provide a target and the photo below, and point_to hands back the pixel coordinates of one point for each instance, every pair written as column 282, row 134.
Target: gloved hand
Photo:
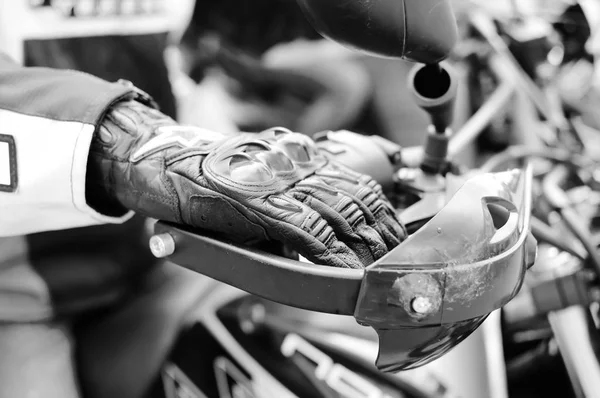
column 248, row 188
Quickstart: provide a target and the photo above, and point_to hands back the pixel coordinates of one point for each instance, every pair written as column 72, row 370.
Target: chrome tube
column 499, row 100
column 570, row 328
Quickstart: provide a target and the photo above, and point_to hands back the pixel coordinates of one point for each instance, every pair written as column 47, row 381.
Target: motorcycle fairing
column 218, row 356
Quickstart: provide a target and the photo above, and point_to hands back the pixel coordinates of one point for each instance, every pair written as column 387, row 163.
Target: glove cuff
column 99, row 190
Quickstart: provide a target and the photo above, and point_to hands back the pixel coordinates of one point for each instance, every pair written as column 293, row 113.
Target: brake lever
column 432, row 290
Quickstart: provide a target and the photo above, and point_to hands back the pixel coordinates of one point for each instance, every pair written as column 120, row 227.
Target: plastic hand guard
column 248, row 188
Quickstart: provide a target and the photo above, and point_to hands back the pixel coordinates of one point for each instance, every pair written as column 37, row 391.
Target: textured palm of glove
column 249, row 188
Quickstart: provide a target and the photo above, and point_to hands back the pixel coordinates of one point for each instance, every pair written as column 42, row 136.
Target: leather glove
column 249, row 188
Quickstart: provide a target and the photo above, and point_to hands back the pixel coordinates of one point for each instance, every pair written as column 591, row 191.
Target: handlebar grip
column 371, row 155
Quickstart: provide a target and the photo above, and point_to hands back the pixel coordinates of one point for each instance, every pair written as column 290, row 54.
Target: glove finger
column 296, row 224
column 345, row 217
column 280, row 218
column 384, row 212
column 368, row 194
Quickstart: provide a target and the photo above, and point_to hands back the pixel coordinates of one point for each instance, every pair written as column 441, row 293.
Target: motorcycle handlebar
column 371, row 155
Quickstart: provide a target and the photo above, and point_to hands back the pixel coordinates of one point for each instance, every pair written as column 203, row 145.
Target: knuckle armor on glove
column 249, row 188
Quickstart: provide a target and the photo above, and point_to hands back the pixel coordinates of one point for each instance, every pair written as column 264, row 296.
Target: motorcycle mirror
column 416, row 30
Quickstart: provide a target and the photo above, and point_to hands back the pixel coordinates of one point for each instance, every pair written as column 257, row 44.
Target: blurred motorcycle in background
column 508, row 173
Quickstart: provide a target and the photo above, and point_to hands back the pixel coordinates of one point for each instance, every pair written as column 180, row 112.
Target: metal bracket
column 302, row 285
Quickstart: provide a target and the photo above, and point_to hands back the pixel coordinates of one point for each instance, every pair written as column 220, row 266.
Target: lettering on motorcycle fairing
column 8, row 164
column 100, row 8
column 231, row 382
column 178, row 385
column 339, row 378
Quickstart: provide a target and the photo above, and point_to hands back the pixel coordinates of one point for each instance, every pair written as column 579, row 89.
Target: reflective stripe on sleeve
column 51, row 165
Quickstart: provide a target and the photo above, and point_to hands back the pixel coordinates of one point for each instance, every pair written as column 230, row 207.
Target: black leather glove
column 249, row 188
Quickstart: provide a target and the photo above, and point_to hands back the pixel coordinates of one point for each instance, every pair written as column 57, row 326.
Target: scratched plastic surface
column 468, row 260
column 409, row 348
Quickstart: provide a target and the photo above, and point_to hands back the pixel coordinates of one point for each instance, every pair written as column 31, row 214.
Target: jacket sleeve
column 47, row 119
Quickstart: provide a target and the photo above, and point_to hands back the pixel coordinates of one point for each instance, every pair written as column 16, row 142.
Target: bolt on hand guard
column 422, row 298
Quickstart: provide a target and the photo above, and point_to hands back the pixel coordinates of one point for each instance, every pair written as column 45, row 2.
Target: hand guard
column 249, row 188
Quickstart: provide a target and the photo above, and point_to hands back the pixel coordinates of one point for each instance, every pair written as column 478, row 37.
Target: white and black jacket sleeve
column 47, row 120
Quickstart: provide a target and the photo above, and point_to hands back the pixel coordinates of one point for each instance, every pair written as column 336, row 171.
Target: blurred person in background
column 271, row 67
column 52, row 274
column 291, row 76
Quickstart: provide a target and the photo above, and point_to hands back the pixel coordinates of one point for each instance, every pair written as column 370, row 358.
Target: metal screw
column 419, row 295
column 421, row 305
column 162, row 245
